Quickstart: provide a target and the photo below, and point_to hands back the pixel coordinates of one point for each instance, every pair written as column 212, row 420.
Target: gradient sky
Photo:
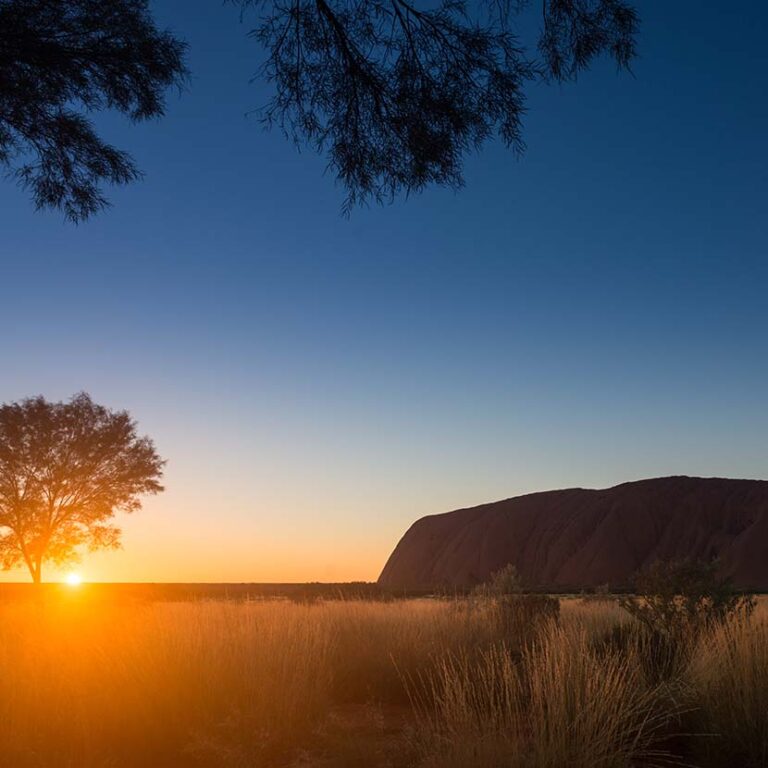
column 592, row 313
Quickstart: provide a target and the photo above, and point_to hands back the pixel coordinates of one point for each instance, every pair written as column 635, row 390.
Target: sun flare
column 74, row 580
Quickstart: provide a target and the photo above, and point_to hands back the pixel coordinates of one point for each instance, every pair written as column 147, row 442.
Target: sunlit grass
column 729, row 676
column 87, row 683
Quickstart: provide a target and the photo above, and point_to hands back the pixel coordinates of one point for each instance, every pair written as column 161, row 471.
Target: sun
column 73, row 579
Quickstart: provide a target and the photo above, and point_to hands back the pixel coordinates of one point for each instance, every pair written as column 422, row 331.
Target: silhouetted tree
column 61, row 59
column 65, row 469
column 396, row 92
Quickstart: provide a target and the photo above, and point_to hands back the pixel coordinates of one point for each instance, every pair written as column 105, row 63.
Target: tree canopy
column 395, row 93
column 66, row 468
column 59, row 61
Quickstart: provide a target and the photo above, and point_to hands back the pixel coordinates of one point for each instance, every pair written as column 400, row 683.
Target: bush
column 521, row 617
column 518, row 616
column 600, row 594
column 502, row 583
column 679, row 598
column 675, row 602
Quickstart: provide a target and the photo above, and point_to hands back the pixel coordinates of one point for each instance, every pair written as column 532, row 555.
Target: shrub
column 502, row 583
column 678, row 598
column 600, row 594
column 518, row 616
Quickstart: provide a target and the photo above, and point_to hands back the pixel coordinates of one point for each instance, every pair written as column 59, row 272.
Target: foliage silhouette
column 677, row 601
column 394, row 92
column 680, row 597
column 504, row 582
column 62, row 59
column 516, row 613
column 65, row 469
column 397, row 92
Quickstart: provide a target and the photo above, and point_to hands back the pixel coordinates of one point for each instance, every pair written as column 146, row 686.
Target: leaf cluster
column 61, row 60
column 397, row 92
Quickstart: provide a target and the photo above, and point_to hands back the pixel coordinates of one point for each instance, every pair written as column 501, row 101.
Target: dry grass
column 561, row 704
column 729, row 683
column 84, row 683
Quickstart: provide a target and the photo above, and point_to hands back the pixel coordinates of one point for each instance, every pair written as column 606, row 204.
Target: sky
column 591, row 313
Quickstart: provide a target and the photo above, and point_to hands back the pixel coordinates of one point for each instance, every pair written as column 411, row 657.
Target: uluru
column 579, row 538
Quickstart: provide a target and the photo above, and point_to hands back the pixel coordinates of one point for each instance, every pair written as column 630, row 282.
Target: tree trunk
column 37, row 589
column 35, row 570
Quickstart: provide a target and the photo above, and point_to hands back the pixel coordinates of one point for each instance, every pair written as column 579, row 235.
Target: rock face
column 580, row 538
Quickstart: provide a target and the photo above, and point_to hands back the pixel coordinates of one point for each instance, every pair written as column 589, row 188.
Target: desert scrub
column 518, row 617
column 89, row 684
column 84, row 685
column 681, row 598
column 559, row 703
column 729, row 684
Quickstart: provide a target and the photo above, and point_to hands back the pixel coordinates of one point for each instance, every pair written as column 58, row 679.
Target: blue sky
column 591, row 313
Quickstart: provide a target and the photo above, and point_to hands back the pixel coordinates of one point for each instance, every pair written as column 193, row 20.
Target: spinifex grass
column 86, row 683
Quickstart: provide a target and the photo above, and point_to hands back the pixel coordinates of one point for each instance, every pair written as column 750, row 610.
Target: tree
column 62, row 59
column 65, row 470
column 394, row 92
column 397, row 92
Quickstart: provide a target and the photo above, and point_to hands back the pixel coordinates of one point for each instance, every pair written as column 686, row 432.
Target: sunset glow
column 426, row 426
column 317, row 384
